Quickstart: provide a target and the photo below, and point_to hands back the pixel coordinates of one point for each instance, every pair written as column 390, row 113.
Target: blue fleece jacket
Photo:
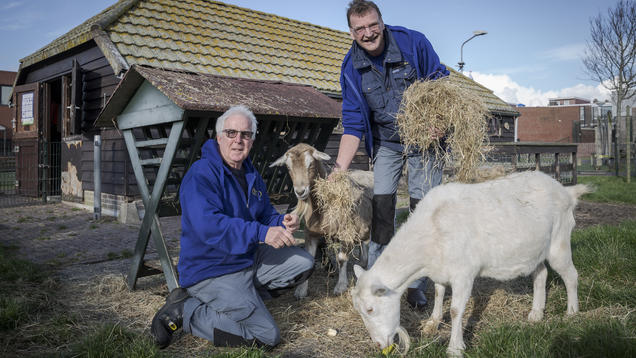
column 220, row 229
column 415, row 49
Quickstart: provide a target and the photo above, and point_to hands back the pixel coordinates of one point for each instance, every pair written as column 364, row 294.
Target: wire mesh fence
column 30, row 175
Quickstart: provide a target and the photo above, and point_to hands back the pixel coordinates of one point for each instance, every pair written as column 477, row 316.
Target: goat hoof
column 300, row 293
column 339, row 290
column 535, row 316
column 456, row 351
column 430, row 328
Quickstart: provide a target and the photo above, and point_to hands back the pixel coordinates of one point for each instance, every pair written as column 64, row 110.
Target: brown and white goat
column 305, row 165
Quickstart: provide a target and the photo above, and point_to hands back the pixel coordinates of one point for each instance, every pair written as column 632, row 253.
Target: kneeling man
column 235, row 247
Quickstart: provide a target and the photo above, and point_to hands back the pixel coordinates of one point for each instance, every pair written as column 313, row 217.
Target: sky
column 532, row 51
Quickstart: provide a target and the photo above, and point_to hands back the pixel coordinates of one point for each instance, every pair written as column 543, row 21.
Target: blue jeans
column 423, row 170
column 424, row 173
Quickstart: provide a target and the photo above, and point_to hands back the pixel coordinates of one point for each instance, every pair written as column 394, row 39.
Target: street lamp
column 461, row 58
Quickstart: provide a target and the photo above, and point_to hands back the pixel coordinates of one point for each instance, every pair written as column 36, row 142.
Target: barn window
column 5, row 95
column 582, row 116
column 72, row 101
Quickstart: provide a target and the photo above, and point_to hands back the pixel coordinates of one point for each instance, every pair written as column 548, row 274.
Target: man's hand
column 291, row 222
column 435, row 133
column 278, row 236
column 336, row 168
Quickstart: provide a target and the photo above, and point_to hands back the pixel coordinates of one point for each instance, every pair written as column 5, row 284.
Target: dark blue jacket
column 415, row 49
column 220, row 230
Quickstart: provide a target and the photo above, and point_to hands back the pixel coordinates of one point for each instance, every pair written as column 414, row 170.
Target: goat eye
column 369, row 310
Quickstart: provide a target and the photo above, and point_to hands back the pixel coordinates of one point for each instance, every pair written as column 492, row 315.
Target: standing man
column 235, row 247
column 382, row 62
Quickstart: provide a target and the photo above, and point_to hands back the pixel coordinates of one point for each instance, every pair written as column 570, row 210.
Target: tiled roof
column 215, row 38
column 211, row 37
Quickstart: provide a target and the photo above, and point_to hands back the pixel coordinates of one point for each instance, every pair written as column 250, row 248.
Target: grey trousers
column 424, row 173
column 231, row 303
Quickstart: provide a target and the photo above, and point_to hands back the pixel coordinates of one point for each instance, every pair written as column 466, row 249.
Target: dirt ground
column 91, row 259
column 589, row 213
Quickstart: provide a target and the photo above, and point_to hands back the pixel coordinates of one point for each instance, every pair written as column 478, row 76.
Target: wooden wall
column 98, row 84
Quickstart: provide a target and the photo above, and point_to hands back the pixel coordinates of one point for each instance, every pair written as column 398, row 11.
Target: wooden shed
column 165, row 116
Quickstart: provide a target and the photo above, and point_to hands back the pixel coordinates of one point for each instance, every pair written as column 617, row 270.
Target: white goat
column 500, row 229
column 305, row 165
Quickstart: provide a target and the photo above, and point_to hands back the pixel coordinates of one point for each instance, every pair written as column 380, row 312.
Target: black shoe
column 169, row 318
column 416, row 298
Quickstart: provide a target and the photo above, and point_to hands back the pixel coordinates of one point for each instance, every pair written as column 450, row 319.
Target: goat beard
column 301, row 209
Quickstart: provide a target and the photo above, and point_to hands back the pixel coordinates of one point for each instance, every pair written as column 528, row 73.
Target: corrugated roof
column 211, row 37
column 202, row 92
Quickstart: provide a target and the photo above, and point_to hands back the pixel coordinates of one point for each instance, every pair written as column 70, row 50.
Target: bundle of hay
column 443, row 105
column 339, row 200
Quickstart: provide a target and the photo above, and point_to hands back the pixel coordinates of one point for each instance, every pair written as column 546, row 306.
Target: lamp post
column 461, row 56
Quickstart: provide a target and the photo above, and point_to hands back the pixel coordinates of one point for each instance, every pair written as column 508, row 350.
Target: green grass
column 605, row 258
column 610, row 189
column 576, row 337
column 567, row 337
column 112, row 340
column 17, row 278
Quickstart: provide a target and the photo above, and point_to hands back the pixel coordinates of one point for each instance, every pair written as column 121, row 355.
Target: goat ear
column 321, row 156
column 279, row 161
column 379, row 289
column 358, row 270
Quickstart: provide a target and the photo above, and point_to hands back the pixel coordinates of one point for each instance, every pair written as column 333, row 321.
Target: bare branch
column 610, row 56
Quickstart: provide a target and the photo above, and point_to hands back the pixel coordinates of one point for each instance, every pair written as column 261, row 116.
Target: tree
column 611, row 54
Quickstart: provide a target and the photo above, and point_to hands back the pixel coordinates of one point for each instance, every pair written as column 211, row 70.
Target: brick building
column 568, row 120
column 549, row 124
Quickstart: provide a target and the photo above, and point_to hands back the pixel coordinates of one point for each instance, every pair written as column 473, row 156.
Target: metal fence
column 30, row 179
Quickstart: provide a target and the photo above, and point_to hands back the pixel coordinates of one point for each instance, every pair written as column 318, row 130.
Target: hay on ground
column 443, row 105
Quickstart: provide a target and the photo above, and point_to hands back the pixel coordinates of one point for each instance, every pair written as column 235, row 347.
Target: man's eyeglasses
column 231, row 133
column 361, row 30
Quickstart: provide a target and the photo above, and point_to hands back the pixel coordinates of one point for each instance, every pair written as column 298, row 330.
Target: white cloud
column 570, row 52
column 510, row 91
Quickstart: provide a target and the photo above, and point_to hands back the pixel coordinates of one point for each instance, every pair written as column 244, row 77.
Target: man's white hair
column 239, row 109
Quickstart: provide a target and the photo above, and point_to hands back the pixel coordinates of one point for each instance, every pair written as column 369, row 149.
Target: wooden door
column 26, row 137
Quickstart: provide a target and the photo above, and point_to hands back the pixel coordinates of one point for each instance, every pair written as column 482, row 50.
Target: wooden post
column 574, row 169
column 97, row 177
